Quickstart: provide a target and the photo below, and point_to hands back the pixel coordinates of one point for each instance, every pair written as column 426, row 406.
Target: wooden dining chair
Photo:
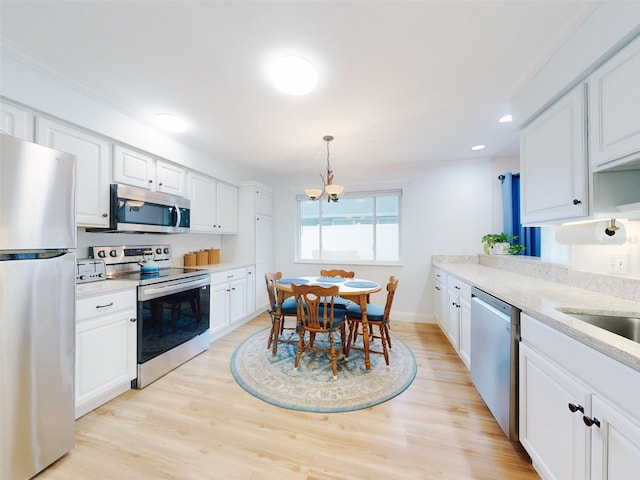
column 288, row 310
column 317, row 315
column 339, row 301
column 377, row 316
column 337, row 273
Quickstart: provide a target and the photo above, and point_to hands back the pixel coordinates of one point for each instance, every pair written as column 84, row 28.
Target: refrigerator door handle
column 32, row 255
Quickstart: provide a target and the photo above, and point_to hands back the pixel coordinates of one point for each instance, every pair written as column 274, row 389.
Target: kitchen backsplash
column 180, row 243
column 622, row 287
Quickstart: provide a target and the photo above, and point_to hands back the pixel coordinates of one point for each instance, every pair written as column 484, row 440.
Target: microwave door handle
column 177, row 215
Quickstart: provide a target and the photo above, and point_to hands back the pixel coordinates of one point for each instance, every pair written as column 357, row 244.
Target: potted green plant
column 501, row 244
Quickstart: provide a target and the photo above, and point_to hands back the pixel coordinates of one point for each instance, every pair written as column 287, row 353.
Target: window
column 360, row 227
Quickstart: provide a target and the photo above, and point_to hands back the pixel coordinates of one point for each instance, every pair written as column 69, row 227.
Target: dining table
column 355, row 289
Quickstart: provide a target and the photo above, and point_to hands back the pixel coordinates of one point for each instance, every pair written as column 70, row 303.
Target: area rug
column 312, row 388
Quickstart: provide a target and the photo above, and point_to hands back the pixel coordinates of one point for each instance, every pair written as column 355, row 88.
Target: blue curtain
column 527, row 236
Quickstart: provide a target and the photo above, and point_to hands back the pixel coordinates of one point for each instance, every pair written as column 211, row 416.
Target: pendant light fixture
column 333, row 191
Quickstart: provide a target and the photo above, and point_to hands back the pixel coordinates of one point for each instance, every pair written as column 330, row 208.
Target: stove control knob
column 113, row 253
column 102, row 254
column 158, row 250
column 100, row 275
column 82, row 277
column 166, row 250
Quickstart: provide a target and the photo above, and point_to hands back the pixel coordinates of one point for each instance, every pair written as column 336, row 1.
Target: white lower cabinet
column 105, row 348
column 615, row 450
column 458, row 326
column 578, row 408
column 440, row 309
column 228, row 299
column 554, row 437
column 251, row 289
column 465, row 329
column 453, row 325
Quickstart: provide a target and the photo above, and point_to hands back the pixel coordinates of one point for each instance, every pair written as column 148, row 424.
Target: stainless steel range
column 173, row 306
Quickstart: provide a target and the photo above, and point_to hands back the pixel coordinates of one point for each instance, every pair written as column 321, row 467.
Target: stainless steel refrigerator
column 37, row 306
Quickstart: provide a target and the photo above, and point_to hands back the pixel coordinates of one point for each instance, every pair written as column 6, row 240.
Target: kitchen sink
column 628, row 327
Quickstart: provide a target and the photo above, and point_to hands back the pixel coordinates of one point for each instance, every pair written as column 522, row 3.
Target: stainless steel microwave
column 136, row 210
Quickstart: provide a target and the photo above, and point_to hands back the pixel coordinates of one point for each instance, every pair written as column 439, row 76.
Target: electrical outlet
column 619, row 264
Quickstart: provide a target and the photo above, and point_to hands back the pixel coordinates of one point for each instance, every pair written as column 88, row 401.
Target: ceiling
column 400, row 82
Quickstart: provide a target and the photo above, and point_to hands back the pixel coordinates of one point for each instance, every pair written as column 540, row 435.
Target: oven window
column 166, row 322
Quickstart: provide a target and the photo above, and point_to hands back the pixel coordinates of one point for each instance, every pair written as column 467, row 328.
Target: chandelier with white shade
column 333, row 191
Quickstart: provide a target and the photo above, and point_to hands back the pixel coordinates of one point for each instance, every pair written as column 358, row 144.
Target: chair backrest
column 315, row 306
column 271, row 279
column 391, row 291
column 337, row 273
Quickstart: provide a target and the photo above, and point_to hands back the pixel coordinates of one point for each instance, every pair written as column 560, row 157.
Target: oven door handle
column 150, row 292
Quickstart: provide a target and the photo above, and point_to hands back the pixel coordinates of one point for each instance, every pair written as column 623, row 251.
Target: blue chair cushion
column 340, row 303
column 288, row 306
column 375, row 313
column 338, row 316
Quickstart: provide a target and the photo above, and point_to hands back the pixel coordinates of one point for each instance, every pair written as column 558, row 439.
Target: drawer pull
column 133, row 320
column 591, row 421
column 110, row 304
column 576, row 408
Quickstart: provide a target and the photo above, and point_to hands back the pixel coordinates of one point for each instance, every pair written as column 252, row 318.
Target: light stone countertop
column 221, row 267
column 542, row 299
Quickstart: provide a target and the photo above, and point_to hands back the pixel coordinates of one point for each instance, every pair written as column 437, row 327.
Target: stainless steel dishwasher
column 495, row 333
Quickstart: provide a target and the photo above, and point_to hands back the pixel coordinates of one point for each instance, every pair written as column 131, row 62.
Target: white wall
column 26, row 85
column 446, row 209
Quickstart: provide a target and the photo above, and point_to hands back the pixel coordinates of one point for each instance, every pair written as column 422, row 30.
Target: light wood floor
column 197, row 423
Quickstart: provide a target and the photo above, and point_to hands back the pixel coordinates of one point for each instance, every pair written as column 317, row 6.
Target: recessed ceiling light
column 293, row 75
column 170, row 122
column 478, row 147
column 505, row 118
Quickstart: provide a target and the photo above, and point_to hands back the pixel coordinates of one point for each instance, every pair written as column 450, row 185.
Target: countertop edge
column 540, row 299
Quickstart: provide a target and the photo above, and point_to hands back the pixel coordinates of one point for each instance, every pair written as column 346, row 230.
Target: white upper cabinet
column 138, row 169
column 16, row 122
column 202, row 193
column 92, row 169
column 553, row 162
column 214, row 205
column 614, row 109
column 263, row 201
column 227, row 208
column 171, row 179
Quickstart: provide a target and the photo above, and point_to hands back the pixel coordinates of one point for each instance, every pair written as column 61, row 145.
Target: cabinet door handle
column 456, row 287
column 576, row 408
column 105, row 215
column 437, row 287
column 160, row 184
column 105, row 306
column 591, row 421
column 576, row 201
column 150, row 181
column 133, row 320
